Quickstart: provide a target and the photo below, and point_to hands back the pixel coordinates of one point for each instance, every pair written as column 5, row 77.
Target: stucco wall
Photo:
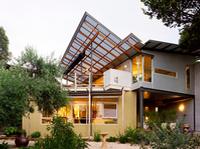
column 33, row 121
column 187, row 115
column 197, row 95
column 171, row 62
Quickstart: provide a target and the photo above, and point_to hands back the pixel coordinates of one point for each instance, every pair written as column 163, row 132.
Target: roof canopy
column 95, row 48
column 168, row 47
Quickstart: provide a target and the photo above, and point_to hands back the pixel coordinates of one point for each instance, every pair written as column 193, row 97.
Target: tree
column 13, row 96
column 178, row 13
column 44, row 87
column 3, row 44
column 32, row 79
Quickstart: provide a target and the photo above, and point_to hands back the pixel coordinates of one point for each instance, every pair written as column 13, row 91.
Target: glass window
column 64, row 112
column 165, row 72
column 80, row 113
column 46, row 117
column 187, row 73
column 137, row 68
column 110, row 110
column 147, row 68
column 104, row 113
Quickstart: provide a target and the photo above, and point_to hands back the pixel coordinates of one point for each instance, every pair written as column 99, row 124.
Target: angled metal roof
column 108, row 50
column 168, row 47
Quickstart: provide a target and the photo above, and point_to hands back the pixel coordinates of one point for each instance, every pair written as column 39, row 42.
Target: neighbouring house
column 112, row 83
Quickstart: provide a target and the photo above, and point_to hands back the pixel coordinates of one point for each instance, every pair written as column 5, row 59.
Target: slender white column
column 123, row 93
column 89, row 105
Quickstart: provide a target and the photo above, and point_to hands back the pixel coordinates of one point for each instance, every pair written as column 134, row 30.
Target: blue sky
column 48, row 25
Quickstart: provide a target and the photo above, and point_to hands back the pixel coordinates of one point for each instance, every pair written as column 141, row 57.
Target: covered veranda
column 152, row 100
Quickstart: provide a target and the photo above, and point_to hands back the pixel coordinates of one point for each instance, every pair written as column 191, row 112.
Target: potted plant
column 21, row 140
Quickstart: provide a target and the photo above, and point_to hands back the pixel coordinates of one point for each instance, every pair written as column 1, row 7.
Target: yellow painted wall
column 33, row 121
column 130, row 109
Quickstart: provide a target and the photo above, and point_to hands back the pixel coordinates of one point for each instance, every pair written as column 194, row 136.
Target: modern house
column 112, row 83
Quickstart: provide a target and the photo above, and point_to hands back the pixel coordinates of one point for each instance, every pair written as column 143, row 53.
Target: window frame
column 187, row 85
column 116, row 117
column 166, row 75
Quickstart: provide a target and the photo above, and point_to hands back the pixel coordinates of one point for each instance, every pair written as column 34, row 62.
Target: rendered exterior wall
column 33, row 122
column 197, row 96
column 171, row 62
column 185, row 116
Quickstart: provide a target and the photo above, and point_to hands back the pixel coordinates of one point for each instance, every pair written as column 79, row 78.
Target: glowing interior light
column 156, row 109
column 181, row 107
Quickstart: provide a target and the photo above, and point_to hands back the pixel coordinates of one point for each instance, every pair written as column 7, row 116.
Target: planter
column 21, row 141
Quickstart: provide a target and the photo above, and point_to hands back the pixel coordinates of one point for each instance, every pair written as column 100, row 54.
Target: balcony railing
column 82, row 82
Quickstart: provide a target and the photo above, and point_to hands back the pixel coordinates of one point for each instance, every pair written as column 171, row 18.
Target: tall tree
column 178, row 13
column 32, row 79
column 13, row 96
column 3, row 44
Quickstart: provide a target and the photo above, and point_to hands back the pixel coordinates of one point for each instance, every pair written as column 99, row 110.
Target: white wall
column 172, row 62
column 117, row 79
column 197, row 95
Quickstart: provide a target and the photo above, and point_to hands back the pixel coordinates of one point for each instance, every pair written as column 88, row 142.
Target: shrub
column 8, row 131
column 97, row 137
column 136, row 136
column 111, row 139
column 35, row 134
column 62, row 137
column 4, row 145
column 122, row 138
column 163, row 138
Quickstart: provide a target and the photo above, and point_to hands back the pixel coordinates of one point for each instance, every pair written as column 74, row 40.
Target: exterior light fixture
column 197, row 59
column 146, row 118
column 146, row 108
column 146, row 94
column 181, row 107
column 125, row 66
column 156, row 109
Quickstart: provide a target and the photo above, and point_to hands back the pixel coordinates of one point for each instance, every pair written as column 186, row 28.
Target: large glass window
column 147, row 68
column 142, row 68
column 65, row 113
column 102, row 112
column 137, row 68
column 80, row 113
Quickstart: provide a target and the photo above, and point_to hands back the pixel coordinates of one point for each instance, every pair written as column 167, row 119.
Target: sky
column 48, row 25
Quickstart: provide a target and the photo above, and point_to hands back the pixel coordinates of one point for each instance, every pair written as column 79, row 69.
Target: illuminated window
column 104, row 113
column 147, row 68
column 187, row 74
column 165, row 72
column 142, row 68
column 64, row 112
column 137, row 68
column 80, row 113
